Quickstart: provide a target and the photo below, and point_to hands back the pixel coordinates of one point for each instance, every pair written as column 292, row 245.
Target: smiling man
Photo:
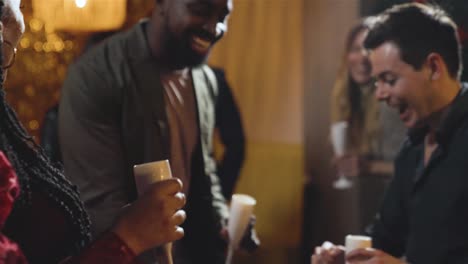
column 146, row 95
column 416, row 62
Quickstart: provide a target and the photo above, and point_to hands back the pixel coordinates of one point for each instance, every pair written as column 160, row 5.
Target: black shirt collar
column 456, row 112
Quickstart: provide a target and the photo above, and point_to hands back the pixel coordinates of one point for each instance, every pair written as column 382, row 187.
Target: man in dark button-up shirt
column 415, row 56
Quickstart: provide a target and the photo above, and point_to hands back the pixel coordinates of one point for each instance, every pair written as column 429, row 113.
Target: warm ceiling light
column 81, row 15
column 80, row 3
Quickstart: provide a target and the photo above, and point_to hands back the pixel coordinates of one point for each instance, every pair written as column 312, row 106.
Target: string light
column 44, row 53
column 81, row 15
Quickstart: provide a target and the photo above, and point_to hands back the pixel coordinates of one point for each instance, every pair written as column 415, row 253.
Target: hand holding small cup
column 154, row 218
column 146, row 175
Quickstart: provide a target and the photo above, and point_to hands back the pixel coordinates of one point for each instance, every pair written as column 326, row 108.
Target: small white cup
column 353, row 242
column 241, row 209
column 149, row 173
column 145, row 175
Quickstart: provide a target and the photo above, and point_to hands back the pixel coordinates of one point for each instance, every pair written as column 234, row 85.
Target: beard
column 179, row 52
column 186, row 57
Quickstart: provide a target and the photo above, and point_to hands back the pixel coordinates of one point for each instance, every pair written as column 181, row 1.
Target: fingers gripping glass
column 8, row 47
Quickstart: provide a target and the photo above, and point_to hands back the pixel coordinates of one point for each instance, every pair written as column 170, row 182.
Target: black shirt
column 424, row 215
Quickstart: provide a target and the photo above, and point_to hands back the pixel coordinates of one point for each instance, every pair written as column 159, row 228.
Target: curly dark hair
column 36, row 174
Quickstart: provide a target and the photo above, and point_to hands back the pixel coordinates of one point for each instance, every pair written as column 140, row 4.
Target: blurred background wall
column 329, row 213
column 262, row 54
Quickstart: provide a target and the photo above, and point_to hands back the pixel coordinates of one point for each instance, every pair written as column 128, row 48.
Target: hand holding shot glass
column 330, row 253
column 145, row 175
column 338, row 136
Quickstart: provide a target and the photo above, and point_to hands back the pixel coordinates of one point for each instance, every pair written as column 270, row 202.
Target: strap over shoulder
column 210, row 75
